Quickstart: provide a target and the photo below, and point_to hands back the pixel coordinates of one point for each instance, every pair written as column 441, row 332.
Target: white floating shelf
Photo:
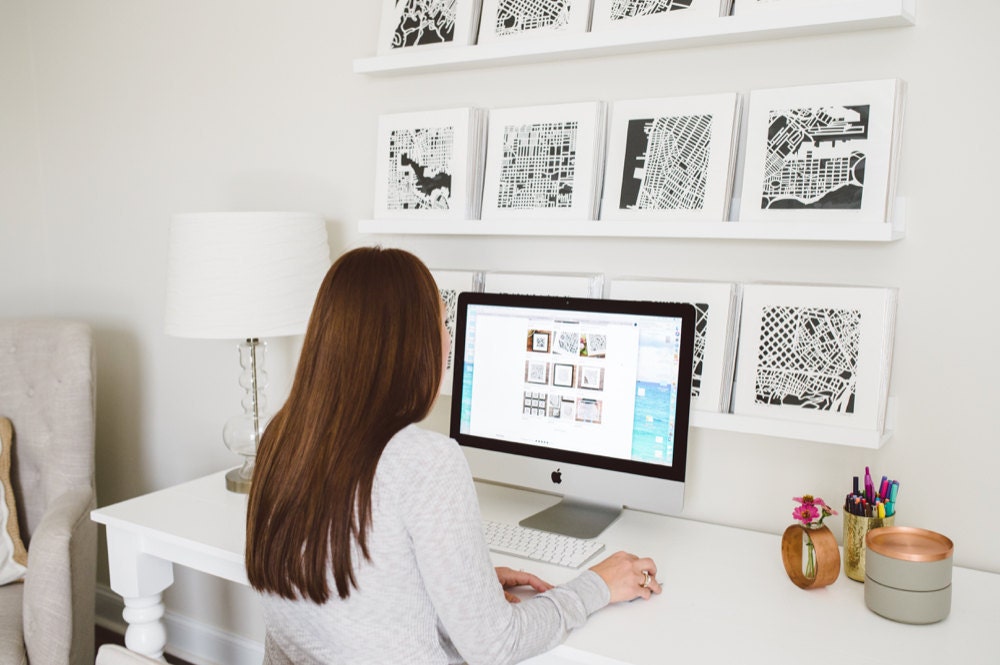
column 811, row 231
column 849, row 16
column 786, row 429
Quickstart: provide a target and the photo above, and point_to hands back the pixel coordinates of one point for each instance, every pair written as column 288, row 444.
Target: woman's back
column 427, row 552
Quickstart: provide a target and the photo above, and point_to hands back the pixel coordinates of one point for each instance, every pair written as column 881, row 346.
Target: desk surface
column 726, row 596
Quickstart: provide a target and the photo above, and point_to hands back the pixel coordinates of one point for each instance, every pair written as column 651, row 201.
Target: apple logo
column 557, row 476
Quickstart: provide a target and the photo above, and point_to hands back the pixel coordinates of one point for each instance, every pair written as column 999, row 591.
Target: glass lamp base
column 237, row 482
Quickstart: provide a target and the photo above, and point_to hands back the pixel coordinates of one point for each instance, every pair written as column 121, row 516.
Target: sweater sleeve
column 444, row 523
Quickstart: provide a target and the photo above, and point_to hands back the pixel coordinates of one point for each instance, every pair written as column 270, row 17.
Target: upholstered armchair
column 47, row 392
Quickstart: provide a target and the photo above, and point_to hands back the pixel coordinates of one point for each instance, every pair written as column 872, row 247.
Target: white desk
column 726, row 597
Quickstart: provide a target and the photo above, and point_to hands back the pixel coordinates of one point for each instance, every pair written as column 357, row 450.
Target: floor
column 105, row 636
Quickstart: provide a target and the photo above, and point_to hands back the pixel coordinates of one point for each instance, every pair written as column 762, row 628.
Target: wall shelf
column 790, row 22
column 785, row 429
column 849, row 16
column 809, row 231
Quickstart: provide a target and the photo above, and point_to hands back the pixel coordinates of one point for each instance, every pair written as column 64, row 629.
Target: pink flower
column 805, row 513
column 810, row 509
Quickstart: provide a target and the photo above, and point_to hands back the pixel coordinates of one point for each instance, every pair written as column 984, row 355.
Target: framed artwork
column 536, row 372
column 560, row 406
column 819, row 354
column 717, row 325
column 822, row 152
column 539, row 341
column 427, row 24
column 593, row 345
column 534, row 404
column 518, row 19
column 671, row 158
column 627, row 14
column 572, row 285
column 591, row 378
column 563, row 375
column 568, row 343
column 589, row 410
column 544, row 162
column 428, row 165
column 450, row 284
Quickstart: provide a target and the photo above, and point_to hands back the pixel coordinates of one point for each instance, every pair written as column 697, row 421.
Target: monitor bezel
column 676, row 471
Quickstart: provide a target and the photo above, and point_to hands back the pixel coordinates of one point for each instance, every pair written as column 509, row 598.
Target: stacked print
column 544, row 162
column 450, row 283
column 717, row 325
column 429, row 165
column 427, row 23
column 824, row 150
column 671, row 158
column 632, row 14
column 818, row 354
column 517, row 19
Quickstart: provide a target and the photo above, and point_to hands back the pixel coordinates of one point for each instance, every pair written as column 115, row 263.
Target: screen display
column 596, row 381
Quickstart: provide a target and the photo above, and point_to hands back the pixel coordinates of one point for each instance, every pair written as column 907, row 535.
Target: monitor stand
column 573, row 517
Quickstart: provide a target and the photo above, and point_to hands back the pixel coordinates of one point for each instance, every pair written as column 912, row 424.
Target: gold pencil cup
column 856, row 528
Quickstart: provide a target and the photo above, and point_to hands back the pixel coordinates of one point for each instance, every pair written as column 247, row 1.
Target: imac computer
column 585, row 398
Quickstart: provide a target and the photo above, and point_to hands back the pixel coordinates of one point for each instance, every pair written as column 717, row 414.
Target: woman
column 363, row 531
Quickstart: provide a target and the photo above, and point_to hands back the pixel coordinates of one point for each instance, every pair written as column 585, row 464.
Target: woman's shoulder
column 416, row 460
column 416, row 445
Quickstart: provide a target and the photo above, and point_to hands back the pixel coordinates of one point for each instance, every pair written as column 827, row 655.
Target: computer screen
column 585, row 398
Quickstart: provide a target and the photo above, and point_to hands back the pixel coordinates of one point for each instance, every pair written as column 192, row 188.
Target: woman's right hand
column 628, row 576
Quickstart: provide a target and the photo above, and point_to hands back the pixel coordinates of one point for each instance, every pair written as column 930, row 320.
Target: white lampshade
column 242, row 275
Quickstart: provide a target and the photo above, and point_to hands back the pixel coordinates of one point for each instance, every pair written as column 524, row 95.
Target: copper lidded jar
column 908, row 574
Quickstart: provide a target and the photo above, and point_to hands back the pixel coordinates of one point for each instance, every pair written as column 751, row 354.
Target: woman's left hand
column 511, row 578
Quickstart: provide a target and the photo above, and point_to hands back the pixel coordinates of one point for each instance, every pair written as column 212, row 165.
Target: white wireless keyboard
column 538, row 545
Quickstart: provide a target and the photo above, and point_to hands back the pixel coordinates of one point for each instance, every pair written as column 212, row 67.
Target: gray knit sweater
column 429, row 594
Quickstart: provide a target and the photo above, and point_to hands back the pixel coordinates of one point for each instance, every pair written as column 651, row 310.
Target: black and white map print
column 816, row 158
column 538, row 166
column 666, row 163
column 420, row 166
column 808, row 358
column 516, row 16
column 424, row 22
column 700, row 330
column 450, row 299
column 631, row 8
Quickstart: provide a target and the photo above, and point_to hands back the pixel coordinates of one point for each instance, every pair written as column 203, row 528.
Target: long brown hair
column 371, row 364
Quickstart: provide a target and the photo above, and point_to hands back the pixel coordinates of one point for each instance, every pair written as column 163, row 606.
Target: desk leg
column 140, row 580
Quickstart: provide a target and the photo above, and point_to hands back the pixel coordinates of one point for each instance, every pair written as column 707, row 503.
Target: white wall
column 115, row 114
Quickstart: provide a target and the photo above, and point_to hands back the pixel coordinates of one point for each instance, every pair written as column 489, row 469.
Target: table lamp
column 245, row 276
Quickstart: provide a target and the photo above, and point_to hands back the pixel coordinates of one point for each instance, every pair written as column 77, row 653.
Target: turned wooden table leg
column 140, row 580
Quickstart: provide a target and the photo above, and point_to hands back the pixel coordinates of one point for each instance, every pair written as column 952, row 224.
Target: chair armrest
column 59, row 585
